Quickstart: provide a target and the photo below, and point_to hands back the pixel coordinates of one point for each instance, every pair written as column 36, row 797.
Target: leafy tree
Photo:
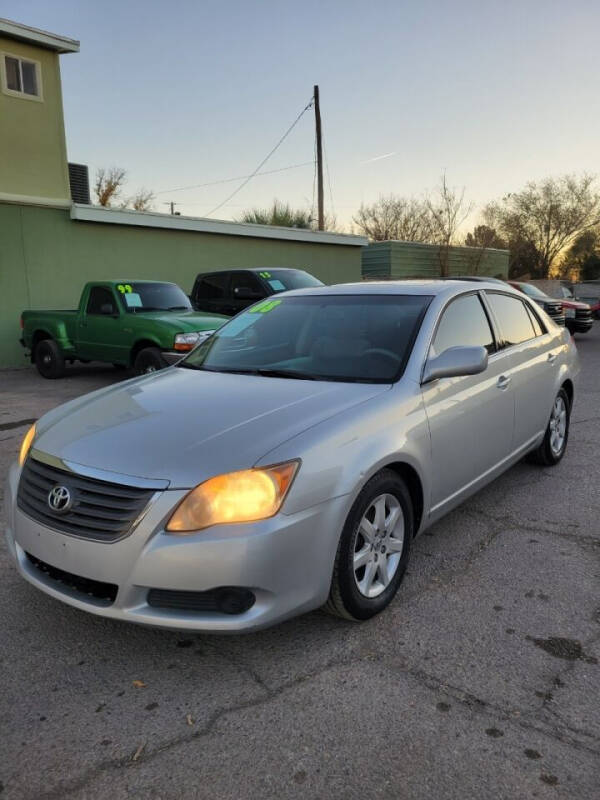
column 544, row 218
column 484, row 237
column 582, row 260
column 279, row 213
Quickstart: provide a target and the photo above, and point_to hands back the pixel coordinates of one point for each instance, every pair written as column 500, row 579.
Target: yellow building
column 33, row 156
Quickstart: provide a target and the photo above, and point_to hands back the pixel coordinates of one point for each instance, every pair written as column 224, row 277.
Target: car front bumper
column 286, row 562
column 575, row 325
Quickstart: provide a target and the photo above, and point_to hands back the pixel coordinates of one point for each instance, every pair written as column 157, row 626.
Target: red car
column 578, row 316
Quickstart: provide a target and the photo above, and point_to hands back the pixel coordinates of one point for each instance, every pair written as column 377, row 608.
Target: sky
column 182, row 93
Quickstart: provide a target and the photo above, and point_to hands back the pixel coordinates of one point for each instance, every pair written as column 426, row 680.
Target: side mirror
column 107, row 309
column 454, row 362
column 245, row 293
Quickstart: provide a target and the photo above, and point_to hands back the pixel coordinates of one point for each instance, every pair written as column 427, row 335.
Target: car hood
column 184, row 426
column 185, row 321
column 575, row 304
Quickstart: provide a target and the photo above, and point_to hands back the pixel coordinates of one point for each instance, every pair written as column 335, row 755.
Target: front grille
column 555, row 312
column 99, row 510
column 583, row 313
column 105, row 593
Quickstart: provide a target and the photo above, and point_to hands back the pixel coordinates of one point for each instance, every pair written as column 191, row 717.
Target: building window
column 21, row 77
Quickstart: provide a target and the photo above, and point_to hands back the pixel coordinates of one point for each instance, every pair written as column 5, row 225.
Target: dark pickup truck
column 230, row 291
column 145, row 325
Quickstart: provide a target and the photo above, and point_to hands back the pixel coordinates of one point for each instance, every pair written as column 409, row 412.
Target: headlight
column 236, row 497
column 187, row 341
column 569, row 312
column 26, row 445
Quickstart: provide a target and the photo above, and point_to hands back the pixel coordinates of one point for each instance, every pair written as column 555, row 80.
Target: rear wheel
column 554, row 444
column 374, row 549
column 148, row 360
column 48, row 359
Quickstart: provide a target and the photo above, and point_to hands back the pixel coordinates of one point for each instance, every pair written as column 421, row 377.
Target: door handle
column 551, row 358
column 502, row 382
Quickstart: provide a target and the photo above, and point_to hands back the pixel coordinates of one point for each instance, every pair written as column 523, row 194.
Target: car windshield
column 531, row 290
column 280, row 280
column 355, row 338
column 139, row 297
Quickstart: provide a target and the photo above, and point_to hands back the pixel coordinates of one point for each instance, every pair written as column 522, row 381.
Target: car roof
column 409, row 287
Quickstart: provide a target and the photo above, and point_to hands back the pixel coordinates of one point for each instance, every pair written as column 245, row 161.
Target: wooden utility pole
column 319, row 159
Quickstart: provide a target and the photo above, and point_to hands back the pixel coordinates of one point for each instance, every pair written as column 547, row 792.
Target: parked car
column 551, row 305
column 290, row 459
column 593, row 303
column 230, row 291
column 579, row 315
column 140, row 324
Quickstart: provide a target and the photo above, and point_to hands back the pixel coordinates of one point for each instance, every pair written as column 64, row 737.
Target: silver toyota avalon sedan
column 289, row 461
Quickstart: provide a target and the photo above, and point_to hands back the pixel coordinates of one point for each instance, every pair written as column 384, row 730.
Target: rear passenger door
column 470, row 417
column 533, row 373
column 212, row 293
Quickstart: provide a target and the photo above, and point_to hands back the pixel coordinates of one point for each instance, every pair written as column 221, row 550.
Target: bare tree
column 402, row 218
column 141, row 201
column 546, row 217
column 108, row 185
column 448, row 210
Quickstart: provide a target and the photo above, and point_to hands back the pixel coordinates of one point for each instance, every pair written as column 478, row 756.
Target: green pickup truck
column 143, row 325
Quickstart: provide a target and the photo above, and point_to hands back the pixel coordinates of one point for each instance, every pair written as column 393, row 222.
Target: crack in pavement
column 430, row 682
column 7, row 426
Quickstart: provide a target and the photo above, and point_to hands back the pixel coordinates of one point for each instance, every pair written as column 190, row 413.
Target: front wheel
column 554, row 443
column 148, row 360
column 48, row 359
column 374, row 549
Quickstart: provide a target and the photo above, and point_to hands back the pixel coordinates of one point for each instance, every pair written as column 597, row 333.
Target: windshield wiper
column 178, row 308
column 284, row 373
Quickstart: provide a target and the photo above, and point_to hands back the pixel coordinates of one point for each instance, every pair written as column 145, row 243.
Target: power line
column 264, row 161
column 238, row 178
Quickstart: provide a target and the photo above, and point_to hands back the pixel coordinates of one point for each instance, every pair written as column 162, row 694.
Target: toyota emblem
column 59, row 499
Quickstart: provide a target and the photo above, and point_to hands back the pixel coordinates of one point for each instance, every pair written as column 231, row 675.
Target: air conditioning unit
column 80, row 183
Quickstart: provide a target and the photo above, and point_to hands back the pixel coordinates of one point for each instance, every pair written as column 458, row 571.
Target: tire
column 148, row 360
column 570, row 326
column 553, row 446
column 49, row 360
column 346, row 598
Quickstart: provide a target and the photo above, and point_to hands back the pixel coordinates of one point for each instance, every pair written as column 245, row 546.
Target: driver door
column 471, row 418
column 99, row 330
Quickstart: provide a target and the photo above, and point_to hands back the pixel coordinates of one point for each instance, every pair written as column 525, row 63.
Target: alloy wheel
column 378, row 545
column 558, row 426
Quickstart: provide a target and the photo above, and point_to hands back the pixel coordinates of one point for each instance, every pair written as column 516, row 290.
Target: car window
column 515, row 322
column 246, row 280
column 99, row 296
column 213, row 287
column 464, row 323
column 280, row 280
column 537, row 326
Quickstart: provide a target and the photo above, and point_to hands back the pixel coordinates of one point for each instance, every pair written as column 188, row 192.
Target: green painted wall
column 401, row 260
column 33, row 160
column 45, row 259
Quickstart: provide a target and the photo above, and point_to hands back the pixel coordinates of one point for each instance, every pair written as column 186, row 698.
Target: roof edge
column 25, row 33
column 152, row 219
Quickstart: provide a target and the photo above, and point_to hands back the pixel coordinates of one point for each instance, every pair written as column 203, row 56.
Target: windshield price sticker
column 277, row 285
column 124, row 288
column 265, row 274
column 264, row 308
column 132, row 300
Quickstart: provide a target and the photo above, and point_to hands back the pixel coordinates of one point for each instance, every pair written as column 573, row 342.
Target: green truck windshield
column 139, row 297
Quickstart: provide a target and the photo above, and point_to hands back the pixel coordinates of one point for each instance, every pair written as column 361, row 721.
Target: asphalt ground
column 480, row 681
